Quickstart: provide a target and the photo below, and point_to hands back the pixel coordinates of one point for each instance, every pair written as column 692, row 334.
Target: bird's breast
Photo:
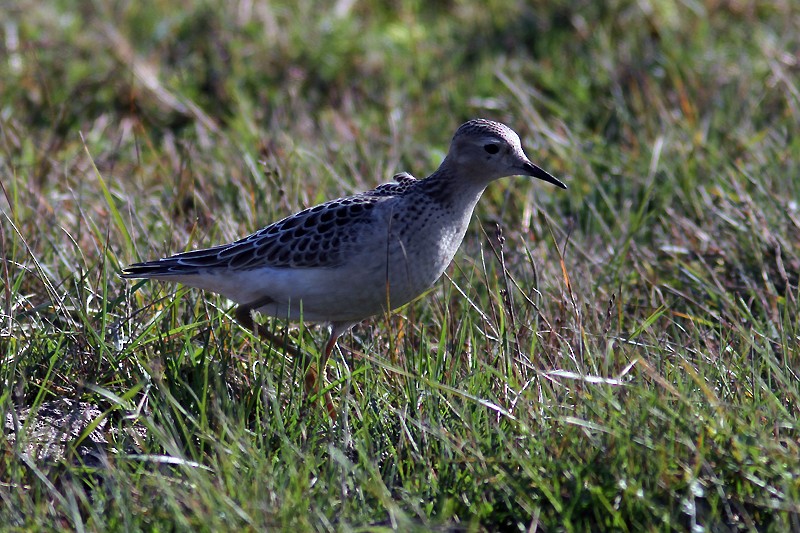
column 419, row 249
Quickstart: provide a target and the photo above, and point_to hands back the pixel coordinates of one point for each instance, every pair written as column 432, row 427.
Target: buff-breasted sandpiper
column 355, row 257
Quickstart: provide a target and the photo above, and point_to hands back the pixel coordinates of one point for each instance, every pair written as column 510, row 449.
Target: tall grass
column 619, row 356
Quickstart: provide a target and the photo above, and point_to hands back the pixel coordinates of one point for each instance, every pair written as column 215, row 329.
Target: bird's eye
column 491, row 148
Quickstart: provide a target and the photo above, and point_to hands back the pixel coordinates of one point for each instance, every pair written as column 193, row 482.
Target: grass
column 619, row 356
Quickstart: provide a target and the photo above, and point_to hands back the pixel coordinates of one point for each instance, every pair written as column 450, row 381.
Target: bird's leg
column 314, row 381
column 244, row 315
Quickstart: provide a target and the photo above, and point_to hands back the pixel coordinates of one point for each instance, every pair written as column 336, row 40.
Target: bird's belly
column 336, row 295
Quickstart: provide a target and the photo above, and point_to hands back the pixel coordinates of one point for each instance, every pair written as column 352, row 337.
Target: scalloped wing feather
column 313, row 238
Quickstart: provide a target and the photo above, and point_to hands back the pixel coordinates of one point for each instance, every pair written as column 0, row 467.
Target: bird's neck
column 452, row 191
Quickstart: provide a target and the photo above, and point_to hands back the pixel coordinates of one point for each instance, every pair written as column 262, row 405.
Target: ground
column 622, row 355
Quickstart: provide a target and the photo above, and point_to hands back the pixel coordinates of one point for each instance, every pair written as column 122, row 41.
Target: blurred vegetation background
column 622, row 355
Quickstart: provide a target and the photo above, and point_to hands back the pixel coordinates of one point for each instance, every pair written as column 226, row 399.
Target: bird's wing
column 403, row 181
column 319, row 236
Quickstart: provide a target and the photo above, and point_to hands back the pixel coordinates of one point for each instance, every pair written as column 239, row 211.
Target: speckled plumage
column 355, row 257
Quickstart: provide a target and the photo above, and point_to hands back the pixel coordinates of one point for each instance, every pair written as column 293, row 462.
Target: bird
column 358, row 256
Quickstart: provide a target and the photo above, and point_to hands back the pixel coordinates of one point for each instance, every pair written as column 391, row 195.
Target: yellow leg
column 314, row 380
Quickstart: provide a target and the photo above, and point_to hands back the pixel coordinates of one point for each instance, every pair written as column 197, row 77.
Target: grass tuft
column 620, row 356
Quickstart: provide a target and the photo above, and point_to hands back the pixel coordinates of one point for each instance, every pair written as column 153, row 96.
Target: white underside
column 312, row 294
